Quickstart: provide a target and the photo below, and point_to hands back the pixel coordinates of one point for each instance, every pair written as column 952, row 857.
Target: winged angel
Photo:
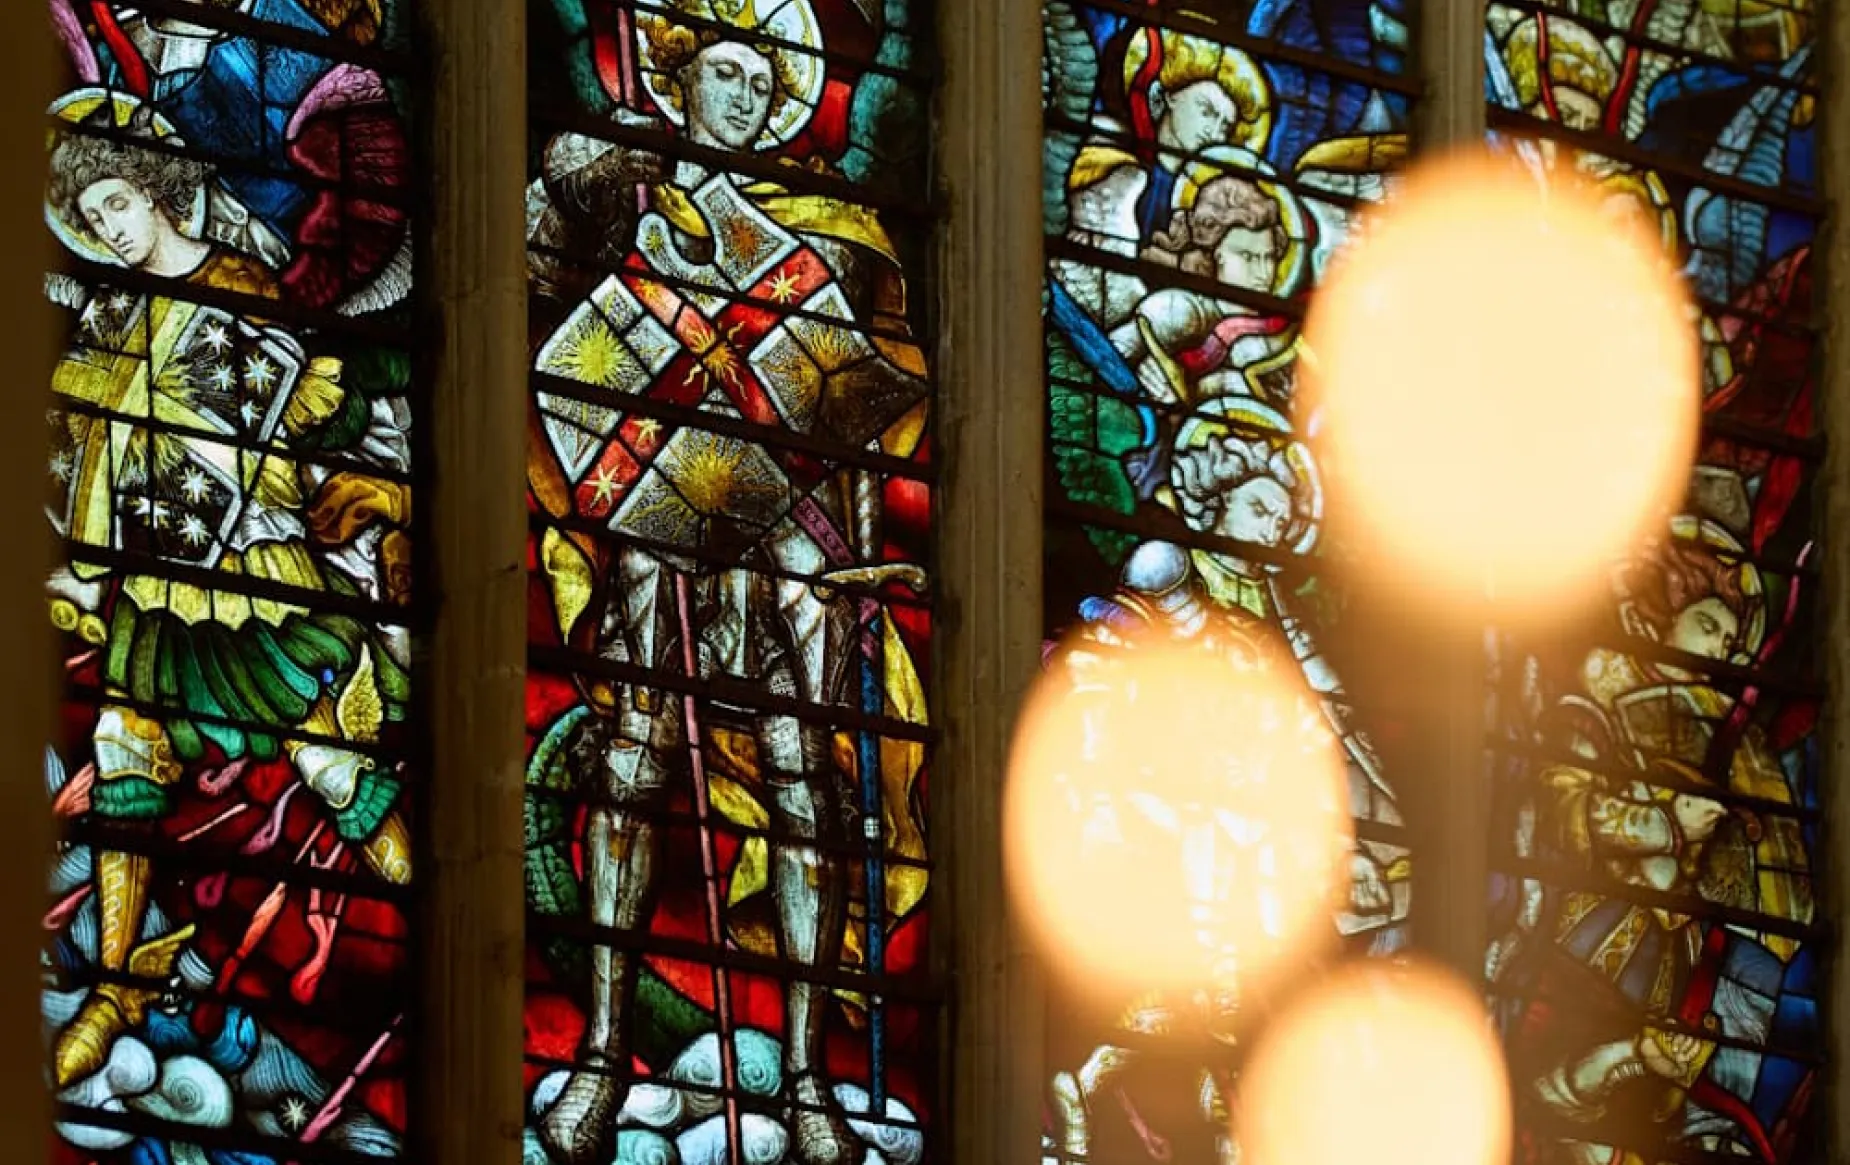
column 1187, row 404
column 223, row 481
column 1659, row 754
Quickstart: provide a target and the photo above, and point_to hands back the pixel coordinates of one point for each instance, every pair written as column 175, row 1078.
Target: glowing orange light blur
column 1507, row 376
column 1389, row 1065
column 1176, row 816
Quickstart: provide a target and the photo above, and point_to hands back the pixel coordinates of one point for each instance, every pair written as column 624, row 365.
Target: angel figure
column 1733, row 250
column 183, row 440
column 1646, row 808
column 340, row 241
column 1220, row 850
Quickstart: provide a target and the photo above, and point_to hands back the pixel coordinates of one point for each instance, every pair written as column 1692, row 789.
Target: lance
column 709, row 861
column 619, row 70
column 337, row 1100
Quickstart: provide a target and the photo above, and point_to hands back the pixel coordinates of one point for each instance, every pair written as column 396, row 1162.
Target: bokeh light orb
column 1393, row 1065
column 1176, row 815
column 1505, row 375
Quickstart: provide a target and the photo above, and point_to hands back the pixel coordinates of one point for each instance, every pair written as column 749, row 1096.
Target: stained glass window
column 730, row 491
column 231, row 477
column 1202, row 164
column 1654, row 962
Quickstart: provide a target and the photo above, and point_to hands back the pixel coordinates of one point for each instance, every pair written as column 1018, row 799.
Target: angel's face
column 123, row 216
column 1247, row 258
column 1198, row 116
column 1706, row 628
column 728, row 89
column 1258, row 512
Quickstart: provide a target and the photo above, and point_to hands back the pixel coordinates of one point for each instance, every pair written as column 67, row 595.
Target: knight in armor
column 734, row 560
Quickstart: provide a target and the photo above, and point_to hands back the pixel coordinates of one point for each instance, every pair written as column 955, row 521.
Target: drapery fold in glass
column 1654, row 959
column 231, row 474
column 1203, row 162
column 731, row 494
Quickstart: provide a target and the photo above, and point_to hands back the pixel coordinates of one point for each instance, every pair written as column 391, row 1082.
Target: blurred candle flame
column 1392, row 1065
column 1176, row 815
column 1506, row 372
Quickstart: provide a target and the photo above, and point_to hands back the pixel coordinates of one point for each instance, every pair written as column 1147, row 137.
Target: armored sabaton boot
column 580, row 1127
column 135, row 766
column 115, row 1008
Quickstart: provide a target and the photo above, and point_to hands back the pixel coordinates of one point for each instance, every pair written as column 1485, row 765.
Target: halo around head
column 1184, row 60
column 1244, row 417
column 785, row 31
column 1293, row 219
column 1713, row 538
column 89, row 105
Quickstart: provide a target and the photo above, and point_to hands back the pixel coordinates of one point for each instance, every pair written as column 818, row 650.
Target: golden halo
column 785, row 30
column 75, row 107
column 1236, row 72
column 1711, row 536
column 1646, row 188
column 1293, row 219
column 1245, row 417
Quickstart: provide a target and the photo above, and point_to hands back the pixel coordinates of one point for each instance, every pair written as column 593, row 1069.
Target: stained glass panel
column 1655, row 776
column 227, row 964
column 1202, row 165
column 730, row 471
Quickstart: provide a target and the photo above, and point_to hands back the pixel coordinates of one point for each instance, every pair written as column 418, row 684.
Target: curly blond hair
column 673, row 47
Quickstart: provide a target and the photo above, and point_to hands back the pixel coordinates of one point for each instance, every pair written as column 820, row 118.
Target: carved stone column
column 27, row 676
column 473, row 284
column 989, row 574
column 1444, row 771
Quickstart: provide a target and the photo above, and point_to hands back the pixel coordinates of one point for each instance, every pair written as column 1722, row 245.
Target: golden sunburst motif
column 790, row 376
column 175, row 379
column 587, row 351
column 707, row 473
column 713, row 354
column 698, row 334
column 742, row 239
column 654, row 510
column 723, row 362
column 832, row 347
column 170, row 453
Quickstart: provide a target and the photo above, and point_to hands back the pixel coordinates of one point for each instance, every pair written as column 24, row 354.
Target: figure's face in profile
column 123, row 217
column 1199, row 116
column 727, row 90
column 1247, row 259
column 1258, row 511
column 1706, row 628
